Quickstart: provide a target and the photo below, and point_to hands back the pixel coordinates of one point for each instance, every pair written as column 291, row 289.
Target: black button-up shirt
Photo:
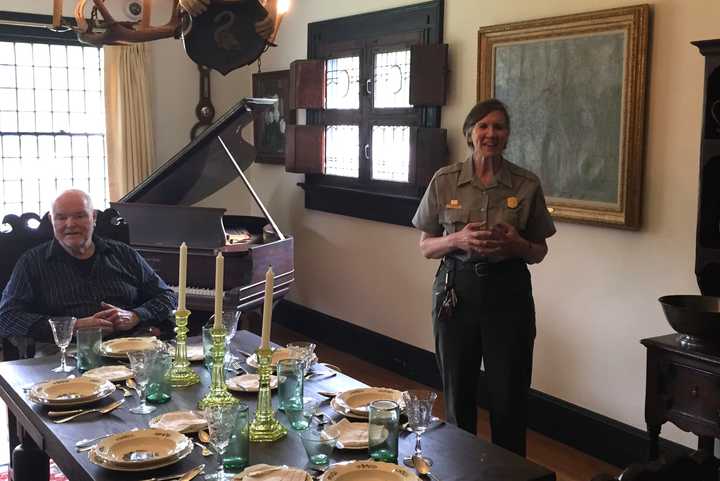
column 47, row 281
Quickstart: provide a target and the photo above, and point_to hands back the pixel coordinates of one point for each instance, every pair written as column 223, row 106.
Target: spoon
column 205, row 450
column 422, row 467
column 204, row 436
column 133, row 385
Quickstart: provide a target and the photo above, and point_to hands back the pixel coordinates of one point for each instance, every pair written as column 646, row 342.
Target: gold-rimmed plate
column 268, row 472
column 249, row 383
column 186, row 421
column 357, row 400
column 70, row 392
column 145, row 447
column 368, row 471
column 346, row 412
column 119, row 348
column 95, row 459
column 194, row 352
column 278, row 355
column 110, row 373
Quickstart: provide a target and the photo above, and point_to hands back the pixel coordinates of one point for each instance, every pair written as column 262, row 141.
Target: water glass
column 290, row 382
column 230, row 321
column 319, row 445
column 383, row 430
column 418, row 407
column 88, row 342
column 159, row 388
column 141, row 363
column 237, row 454
column 300, row 414
column 207, row 346
column 221, row 422
column 62, row 329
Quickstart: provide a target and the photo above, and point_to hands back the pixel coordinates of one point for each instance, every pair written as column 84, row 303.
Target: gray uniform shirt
column 456, row 197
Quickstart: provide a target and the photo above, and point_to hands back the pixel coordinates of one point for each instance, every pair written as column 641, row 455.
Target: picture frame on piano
column 270, row 126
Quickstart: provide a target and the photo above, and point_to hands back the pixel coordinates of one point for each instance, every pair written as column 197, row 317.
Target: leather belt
column 485, row 269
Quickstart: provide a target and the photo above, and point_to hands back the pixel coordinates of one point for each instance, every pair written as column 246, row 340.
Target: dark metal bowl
column 696, row 317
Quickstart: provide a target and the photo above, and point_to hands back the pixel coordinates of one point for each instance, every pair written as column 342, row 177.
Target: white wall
column 596, row 293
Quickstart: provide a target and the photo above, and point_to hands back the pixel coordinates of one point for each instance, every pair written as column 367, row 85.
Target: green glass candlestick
column 180, row 374
column 265, row 428
column 219, row 394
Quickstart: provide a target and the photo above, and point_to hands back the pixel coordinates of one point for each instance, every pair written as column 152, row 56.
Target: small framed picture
column 270, row 125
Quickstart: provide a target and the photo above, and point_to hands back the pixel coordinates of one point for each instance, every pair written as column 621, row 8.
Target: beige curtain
column 129, row 138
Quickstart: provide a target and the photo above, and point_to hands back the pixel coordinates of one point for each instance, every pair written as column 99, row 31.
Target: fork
column 103, row 410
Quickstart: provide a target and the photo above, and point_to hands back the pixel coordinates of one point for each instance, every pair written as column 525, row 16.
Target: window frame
column 392, row 29
column 19, row 27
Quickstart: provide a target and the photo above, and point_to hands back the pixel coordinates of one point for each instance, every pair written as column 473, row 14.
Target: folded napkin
column 350, row 435
column 179, row 421
column 195, row 352
column 266, row 472
column 249, row 382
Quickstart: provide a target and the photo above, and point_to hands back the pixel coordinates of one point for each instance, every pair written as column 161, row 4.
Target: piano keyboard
column 197, row 291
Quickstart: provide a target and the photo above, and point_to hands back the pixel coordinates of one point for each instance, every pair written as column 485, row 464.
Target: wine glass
column 418, row 407
column 62, row 329
column 230, row 322
column 221, row 421
column 141, row 363
column 305, row 352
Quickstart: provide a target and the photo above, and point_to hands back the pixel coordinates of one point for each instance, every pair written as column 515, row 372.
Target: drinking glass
column 207, row 346
column 319, row 445
column 300, row 413
column 221, row 421
column 141, row 363
column 88, row 342
column 418, row 407
column 237, row 455
column 290, row 382
column 305, row 351
column 62, row 329
column 158, row 388
column 383, row 430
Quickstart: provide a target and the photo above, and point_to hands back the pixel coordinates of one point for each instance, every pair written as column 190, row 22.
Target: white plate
column 93, row 458
column 267, row 472
column 278, row 354
column 249, row 383
column 350, row 435
column 194, row 352
column 144, row 447
column 180, row 421
column 118, row 348
column 367, row 471
column 358, row 400
column 70, row 392
column 110, row 373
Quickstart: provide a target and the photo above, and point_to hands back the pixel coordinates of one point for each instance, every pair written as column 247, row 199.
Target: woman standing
column 486, row 219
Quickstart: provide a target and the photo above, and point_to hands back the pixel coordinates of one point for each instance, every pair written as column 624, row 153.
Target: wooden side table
column 683, row 387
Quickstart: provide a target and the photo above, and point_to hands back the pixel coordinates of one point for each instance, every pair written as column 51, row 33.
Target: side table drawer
column 689, row 391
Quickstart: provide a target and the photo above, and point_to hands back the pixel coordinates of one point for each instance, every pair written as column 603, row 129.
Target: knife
column 182, row 476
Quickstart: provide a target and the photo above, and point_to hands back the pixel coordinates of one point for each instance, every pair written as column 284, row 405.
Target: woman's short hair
column 480, row 110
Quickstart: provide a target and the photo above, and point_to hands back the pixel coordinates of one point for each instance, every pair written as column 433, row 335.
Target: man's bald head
column 73, row 219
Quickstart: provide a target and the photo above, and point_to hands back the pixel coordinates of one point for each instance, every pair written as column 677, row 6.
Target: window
column 52, row 120
column 372, row 124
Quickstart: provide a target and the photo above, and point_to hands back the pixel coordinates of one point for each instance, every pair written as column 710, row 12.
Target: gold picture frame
column 575, row 88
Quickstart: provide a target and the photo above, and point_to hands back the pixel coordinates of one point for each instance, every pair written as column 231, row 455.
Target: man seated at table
column 103, row 283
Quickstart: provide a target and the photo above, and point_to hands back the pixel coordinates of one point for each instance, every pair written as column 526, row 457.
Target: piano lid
column 201, row 168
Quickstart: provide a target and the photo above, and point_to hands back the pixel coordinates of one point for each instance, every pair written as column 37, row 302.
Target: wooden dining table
column 458, row 455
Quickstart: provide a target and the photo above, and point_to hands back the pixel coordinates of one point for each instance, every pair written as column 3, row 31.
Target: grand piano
column 161, row 216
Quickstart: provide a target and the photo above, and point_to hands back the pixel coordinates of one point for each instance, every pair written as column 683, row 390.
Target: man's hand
column 194, row 7
column 94, row 321
column 121, row 319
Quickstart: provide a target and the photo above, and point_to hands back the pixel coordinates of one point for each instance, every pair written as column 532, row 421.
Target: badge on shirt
column 454, row 204
column 512, row 202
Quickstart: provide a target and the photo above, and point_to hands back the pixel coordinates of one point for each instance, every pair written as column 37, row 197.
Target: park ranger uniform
column 494, row 320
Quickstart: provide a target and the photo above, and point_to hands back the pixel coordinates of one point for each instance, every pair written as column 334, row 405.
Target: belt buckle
column 481, row 269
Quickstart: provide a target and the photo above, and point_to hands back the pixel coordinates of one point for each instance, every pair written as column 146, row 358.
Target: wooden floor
column 569, row 464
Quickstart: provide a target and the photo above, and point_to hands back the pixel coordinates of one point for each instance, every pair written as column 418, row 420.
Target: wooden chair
column 20, row 233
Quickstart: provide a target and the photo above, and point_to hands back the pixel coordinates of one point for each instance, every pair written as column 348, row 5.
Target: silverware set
column 186, row 476
column 70, row 415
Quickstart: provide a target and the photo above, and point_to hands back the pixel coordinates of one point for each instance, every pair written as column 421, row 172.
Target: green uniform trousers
column 493, row 324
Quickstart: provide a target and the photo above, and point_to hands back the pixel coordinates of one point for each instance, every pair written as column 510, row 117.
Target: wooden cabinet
column 683, row 387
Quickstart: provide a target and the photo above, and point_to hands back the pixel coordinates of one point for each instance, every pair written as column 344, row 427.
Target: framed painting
column 270, row 126
column 575, row 89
